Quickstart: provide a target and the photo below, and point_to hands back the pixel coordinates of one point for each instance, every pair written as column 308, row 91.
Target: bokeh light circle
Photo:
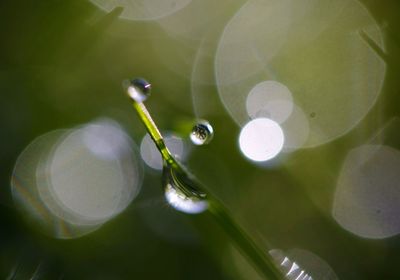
column 152, row 157
column 316, row 48
column 77, row 179
column 26, row 196
column 367, row 197
column 261, row 139
column 143, row 9
column 270, row 99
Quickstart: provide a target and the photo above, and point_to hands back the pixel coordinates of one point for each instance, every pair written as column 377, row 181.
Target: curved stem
column 261, row 261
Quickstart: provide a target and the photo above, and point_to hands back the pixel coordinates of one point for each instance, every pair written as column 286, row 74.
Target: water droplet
column 138, row 89
column 182, row 193
column 202, row 133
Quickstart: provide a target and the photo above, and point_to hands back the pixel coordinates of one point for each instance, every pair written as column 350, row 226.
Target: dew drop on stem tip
column 138, row 89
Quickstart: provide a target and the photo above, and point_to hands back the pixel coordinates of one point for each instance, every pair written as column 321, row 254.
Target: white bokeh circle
column 261, row 139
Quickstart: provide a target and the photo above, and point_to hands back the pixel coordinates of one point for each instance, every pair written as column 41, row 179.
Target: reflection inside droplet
column 183, row 203
column 202, row 133
column 138, row 89
column 182, row 193
column 261, row 139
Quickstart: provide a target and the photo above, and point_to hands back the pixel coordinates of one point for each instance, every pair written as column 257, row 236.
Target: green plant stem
column 261, row 261
column 155, row 134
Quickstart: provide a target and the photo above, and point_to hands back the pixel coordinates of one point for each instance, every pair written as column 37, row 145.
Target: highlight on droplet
column 138, row 89
column 184, row 203
column 202, row 133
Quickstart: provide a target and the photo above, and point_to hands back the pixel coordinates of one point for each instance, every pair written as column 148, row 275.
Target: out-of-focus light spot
column 105, row 140
column 78, row 179
column 94, row 182
column 191, row 46
column 151, row 156
column 183, row 203
column 367, row 198
column 325, row 65
column 261, row 139
column 205, row 99
column 24, row 190
column 199, row 18
column 143, row 10
column 296, row 129
column 270, row 99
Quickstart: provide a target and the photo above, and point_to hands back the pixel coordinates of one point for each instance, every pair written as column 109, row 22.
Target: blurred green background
column 62, row 64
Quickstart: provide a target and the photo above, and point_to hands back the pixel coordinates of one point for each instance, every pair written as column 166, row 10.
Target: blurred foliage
column 62, row 64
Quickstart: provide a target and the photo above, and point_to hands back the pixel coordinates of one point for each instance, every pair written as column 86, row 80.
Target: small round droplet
column 138, row 89
column 202, row 133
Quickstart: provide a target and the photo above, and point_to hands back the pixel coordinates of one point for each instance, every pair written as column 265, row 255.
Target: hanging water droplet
column 138, row 89
column 202, row 133
column 181, row 192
